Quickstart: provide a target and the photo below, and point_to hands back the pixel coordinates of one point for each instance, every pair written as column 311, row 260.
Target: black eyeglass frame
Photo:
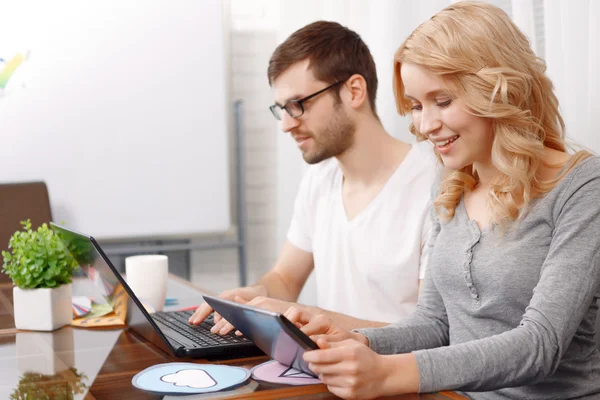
column 300, row 102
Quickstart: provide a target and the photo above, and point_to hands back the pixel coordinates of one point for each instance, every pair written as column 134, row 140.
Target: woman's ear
column 357, row 91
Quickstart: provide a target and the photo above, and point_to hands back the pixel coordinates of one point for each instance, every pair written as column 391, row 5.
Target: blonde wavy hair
column 477, row 48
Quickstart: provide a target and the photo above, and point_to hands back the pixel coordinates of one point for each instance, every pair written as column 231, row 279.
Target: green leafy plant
column 38, row 258
column 62, row 386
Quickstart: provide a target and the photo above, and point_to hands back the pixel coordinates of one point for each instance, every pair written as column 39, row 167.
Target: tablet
column 270, row 331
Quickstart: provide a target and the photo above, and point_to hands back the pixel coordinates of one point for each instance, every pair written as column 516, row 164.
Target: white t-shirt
column 368, row 267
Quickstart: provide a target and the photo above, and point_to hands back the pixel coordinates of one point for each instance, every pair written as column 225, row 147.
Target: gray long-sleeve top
column 511, row 314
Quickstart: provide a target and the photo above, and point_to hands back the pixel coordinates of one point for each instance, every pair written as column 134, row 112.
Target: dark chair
column 20, row 201
column 598, row 327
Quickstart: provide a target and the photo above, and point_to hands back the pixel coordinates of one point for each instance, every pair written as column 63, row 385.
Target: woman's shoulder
column 579, row 181
column 591, row 165
column 582, row 172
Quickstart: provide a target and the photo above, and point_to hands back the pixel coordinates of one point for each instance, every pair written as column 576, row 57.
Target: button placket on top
column 475, row 237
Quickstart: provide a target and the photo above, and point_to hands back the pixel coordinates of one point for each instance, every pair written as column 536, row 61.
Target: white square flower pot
column 45, row 353
column 43, row 309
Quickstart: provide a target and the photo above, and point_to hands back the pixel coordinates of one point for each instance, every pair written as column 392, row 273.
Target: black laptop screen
column 104, row 276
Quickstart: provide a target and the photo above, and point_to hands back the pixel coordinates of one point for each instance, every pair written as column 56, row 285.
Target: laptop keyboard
column 199, row 334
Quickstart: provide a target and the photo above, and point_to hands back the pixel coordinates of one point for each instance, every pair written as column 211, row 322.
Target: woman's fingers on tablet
column 298, row 315
column 319, row 324
column 293, row 315
column 320, row 340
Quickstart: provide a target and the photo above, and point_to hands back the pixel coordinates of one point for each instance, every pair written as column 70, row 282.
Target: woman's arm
column 425, row 329
column 569, row 281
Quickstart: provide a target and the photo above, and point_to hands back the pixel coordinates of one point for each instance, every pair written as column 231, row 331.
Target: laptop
column 168, row 330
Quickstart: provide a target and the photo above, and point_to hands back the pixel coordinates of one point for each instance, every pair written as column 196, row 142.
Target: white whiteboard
column 123, row 113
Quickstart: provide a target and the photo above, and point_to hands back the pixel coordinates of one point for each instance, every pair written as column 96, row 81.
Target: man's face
column 324, row 130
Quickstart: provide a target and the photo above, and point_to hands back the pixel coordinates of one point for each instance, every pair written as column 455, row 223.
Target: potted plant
column 41, row 269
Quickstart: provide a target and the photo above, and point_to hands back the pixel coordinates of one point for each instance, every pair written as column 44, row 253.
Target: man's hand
column 245, row 293
column 223, row 327
column 321, row 326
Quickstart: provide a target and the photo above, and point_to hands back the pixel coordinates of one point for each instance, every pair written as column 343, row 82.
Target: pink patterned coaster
column 274, row 372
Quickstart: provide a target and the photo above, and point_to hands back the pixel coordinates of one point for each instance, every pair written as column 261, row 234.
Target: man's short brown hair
column 334, row 52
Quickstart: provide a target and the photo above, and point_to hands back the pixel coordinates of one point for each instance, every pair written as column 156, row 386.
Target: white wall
column 573, row 58
column 251, row 45
column 127, row 114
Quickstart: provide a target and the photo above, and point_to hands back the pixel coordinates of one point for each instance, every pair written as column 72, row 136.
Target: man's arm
column 288, row 276
column 278, row 290
column 345, row 321
column 283, row 282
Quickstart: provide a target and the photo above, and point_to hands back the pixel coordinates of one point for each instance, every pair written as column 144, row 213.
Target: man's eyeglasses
column 295, row 108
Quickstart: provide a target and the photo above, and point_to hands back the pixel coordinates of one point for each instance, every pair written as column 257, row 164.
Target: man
column 361, row 215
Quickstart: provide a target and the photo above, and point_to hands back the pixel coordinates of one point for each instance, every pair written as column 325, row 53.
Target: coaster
column 188, row 378
column 240, row 391
column 275, row 372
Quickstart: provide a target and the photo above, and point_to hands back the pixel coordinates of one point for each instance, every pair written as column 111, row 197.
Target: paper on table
column 104, row 315
column 81, row 306
column 99, row 310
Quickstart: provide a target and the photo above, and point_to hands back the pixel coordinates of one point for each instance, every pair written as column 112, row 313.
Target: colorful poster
column 11, row 71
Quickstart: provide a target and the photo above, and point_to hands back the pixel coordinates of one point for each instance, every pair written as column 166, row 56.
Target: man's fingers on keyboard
column 200, row 314
column 218, row 325
column 226, row 329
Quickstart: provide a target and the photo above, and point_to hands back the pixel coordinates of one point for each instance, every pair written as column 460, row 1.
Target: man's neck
column 374, row 156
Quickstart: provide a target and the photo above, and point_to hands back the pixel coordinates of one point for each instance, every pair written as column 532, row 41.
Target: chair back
column 598, row 326
column 20, row 201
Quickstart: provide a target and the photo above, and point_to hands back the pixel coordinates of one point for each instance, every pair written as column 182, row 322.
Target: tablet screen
column 270, row 331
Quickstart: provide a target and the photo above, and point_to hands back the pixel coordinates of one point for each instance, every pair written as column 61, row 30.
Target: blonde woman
column 508, row 305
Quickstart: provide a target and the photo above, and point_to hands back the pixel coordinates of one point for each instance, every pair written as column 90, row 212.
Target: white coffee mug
column 147, row 276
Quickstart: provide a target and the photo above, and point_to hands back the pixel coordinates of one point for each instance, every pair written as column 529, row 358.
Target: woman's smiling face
column 460, row 137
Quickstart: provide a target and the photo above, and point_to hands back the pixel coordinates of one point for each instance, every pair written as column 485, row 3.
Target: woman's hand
column 349, row 368
column 346, row 364
column 352, row 370
column 319, row 326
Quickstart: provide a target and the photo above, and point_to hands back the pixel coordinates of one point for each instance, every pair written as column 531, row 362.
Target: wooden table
column 100, row 363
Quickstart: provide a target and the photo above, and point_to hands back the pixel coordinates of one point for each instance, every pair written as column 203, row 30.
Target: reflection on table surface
column 55, row 364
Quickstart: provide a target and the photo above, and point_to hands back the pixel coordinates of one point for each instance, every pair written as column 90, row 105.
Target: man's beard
column 336, row 138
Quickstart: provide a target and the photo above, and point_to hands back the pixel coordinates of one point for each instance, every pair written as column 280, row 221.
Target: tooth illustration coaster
column 274, row 372
column 189, row 378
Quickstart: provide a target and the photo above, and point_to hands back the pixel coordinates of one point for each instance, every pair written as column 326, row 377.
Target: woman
column 508, row 305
